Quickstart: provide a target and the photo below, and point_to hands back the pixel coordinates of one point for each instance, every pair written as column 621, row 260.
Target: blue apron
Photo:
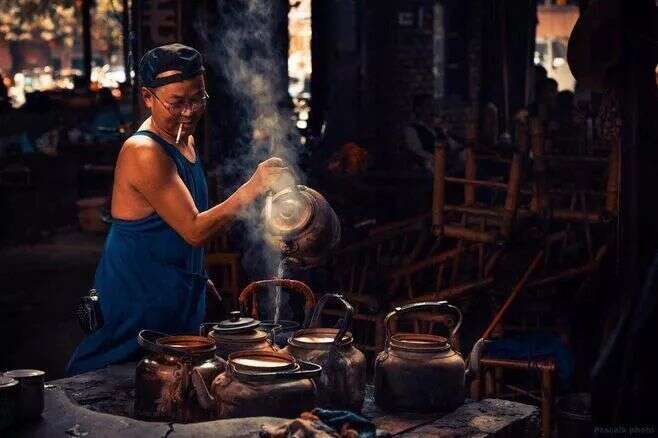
column 147, row 278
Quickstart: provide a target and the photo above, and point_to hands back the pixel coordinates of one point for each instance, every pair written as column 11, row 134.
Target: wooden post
column 439, row 188
column 514, row 184
column 612, row 189
column 470, row 172
column 489, row 389
column 125, row 29
column 538, row 202
column 86, row 40
column 546, row 401
column 134, row 55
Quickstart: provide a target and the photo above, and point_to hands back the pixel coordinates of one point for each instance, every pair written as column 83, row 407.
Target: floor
column 39, row 287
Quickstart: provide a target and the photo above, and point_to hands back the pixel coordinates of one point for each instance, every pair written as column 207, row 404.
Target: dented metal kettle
column 417, row 372
column 260, row 383
column 341, row 384
column 163, row 386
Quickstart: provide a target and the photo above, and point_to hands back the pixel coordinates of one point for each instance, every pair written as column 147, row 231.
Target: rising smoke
column 243, row 48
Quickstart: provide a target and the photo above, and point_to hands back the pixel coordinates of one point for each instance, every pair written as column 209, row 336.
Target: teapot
column 238, row 333
column 342, row 382
column 300, row 223
column 419, row 373
column 260, row 383
column 163, row 387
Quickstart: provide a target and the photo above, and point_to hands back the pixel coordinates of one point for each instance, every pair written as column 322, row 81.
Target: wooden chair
column 491, row 387
column 223, row 267
column 470, row 220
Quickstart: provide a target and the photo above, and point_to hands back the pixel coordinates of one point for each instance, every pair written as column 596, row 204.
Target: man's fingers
column 274, row 162
column 278, row 170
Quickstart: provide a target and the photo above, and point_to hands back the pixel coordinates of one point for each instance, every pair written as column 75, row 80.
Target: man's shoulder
column 142, row 151
column 142, row 145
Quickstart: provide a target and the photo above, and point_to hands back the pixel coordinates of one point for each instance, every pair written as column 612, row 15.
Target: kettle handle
column 206, row 327
column 415, row 306
column 293, row 285
column 346, row 320
column 204, row 396
column 151, row 344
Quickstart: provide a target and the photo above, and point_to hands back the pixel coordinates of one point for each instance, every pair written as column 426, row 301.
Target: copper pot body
column 419, row 381
column 163, row 387
column 286, row 393
column 419, row 373
column 342, row 381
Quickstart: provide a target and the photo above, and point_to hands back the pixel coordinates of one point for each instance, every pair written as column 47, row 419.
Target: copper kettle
column 341, row 384
column 300, row 223
column 238, row 333
column 260, row 383
column 419, row 373
column 163, row 389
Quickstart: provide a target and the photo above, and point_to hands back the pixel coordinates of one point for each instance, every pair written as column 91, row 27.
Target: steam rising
column 243, row 50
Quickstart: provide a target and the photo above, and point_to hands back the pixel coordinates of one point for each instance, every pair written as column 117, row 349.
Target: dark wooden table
column 98, row 404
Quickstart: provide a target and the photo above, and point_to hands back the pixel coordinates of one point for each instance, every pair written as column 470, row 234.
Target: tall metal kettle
column 419, row 373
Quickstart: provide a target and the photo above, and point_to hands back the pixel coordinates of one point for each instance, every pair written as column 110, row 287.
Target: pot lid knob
column 236, row 323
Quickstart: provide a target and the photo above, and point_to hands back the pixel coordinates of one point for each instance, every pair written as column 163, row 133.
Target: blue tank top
column 148, row 278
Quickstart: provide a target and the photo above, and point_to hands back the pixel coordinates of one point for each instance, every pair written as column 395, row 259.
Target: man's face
column 176, row 103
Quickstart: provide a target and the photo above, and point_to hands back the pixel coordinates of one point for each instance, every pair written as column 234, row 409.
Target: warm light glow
column 299, row 58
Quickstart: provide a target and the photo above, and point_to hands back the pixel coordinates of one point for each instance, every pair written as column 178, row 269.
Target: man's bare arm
column 154, row 175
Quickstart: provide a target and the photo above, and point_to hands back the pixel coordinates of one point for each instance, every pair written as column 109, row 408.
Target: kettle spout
column 473, row 367
column 205, row 398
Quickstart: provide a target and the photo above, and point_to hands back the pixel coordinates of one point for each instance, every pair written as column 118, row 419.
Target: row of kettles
column 235, row 370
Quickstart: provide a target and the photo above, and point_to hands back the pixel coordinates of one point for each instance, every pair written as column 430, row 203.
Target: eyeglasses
column 176, row 109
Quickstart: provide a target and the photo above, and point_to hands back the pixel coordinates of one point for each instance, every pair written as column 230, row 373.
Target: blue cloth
column 533, row 346
column 336, row 420
column 147, row 278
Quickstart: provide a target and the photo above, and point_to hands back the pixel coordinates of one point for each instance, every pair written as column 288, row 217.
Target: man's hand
column 266, row 175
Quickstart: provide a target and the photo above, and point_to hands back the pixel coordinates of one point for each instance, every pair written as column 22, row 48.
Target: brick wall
column 401, row 54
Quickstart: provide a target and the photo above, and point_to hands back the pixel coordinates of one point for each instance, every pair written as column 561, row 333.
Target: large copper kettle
column 342, row 382
column 163, row 387
column 419, row 373
column 300, row 224
column 260, row 383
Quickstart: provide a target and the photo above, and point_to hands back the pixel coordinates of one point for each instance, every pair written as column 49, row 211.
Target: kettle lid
column 262, row 361
column 7, row 382
column 319, row 337
column 236, row 323
column 419, row 343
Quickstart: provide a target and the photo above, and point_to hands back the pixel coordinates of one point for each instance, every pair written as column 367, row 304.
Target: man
column 544, row 105
column 151, row 274
column 420, row 137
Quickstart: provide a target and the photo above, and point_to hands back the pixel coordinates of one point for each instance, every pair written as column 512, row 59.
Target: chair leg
column 498, row 380
column 380, row 333
column 546, row 402
column 489, row 387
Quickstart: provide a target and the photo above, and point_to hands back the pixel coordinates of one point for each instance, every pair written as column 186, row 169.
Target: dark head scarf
column 170, row 57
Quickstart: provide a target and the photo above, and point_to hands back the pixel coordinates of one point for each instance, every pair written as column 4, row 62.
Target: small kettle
column 300, row 223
